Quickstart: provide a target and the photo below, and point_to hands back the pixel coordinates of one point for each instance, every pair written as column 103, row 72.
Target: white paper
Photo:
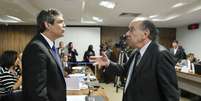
column 78, row 67
column 75, row 98
column 77, row 75
column 72, row 83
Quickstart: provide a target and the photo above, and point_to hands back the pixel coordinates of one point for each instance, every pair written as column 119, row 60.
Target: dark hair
column 151, row 27
column 70, row 43
column 90, row 48
column 46, row 16
column 8, row 58
column 60, row 42
column 175, row 41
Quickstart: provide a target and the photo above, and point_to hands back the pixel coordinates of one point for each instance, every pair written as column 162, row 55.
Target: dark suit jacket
column 73, row 53
column 87, row 54
column 180, row 53
column 42, row 77
column 153, row 79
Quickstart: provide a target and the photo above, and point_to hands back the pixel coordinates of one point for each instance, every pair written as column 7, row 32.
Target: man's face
column 57, row 28
column 135, row 36
column 66, row 58
column 61, row 44
column 174, row 45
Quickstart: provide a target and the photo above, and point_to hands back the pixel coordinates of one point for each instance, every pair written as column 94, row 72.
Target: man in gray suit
column 42, row 73
column 150, row 70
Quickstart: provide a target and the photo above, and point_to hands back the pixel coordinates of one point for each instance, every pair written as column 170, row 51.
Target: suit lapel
column 131, row 59
column 58, row 65
column 177, row 52
column 172, row 51
column 143, row 60
column 40, row 37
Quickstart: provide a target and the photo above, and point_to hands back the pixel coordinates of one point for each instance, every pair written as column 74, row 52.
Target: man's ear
column 146, row 32
column 47, row 25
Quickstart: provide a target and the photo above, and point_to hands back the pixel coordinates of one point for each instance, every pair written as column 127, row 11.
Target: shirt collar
column 144, row 48
column 176, row 48
column 50, row 42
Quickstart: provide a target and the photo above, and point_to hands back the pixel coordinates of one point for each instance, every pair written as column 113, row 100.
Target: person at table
column 10, row 74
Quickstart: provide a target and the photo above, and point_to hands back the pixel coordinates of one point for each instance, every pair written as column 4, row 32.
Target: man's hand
column 100, row 60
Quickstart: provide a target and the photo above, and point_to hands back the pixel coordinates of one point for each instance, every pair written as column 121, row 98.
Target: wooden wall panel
column 166, row 36
column 13, row 37
column 112, row 34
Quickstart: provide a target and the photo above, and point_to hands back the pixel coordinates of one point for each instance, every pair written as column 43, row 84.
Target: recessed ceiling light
column 87, row 21
column 178, row 5
column 9, row 19
column 158, row 20
column 167, row 18
column 107, row 4
column 14, row 18
column 140, row 18
column 83, row 5
column 171, row 17
column 195, row 9
column 153, row 16
column 97, row 19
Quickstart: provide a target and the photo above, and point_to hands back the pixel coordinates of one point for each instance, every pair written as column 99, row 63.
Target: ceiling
column 75, row 10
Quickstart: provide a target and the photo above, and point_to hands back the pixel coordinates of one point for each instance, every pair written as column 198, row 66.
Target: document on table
column 76, row 98
column 72, row 83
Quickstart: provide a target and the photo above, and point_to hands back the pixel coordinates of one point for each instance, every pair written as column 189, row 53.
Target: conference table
column 189, row 82
column 95, row 91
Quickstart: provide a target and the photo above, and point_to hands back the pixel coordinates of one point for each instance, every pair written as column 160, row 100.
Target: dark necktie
column 57, row 58
column 136, row 58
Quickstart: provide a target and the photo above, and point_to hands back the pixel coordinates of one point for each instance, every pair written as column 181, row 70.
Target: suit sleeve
column 167, row 79
column 117, row 69
column 35, row 73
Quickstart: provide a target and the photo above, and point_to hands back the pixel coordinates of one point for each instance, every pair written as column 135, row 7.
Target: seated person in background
column 10, row 78
column 187, row 65
column 87, row 54
column 72, row 53
column 61, row 49
column 191, row 58
column 177, row 51
column 65, row 65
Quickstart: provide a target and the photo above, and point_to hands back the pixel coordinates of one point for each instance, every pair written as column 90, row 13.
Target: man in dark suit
column 177, row 51
column 150, row 70
column 42, row 71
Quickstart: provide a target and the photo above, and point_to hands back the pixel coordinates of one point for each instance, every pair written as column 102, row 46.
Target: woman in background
column 72, row 53
column 10, row 73
column 87, row 54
